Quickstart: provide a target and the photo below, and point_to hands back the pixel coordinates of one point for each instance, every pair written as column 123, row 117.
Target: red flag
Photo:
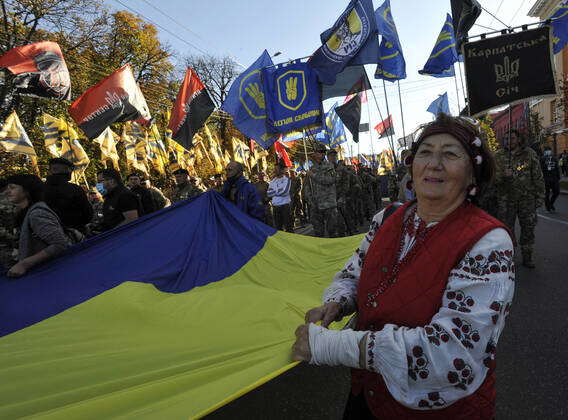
column 116, row 98
column 40, row 70
column 192, row 108
column 385, row 128
column 282, row 154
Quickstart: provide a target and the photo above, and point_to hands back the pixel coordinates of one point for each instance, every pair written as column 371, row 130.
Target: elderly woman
column 432, row 285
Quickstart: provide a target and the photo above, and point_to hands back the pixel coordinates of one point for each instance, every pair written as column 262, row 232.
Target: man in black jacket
column 67, row 200
column 151, row 200
column 551, row 174
column 121, row 205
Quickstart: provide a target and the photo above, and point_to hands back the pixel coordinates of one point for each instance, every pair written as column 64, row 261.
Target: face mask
column 100, row 188
column 548, row 153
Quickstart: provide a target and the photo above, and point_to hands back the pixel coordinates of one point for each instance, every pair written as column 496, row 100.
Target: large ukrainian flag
column 169, row 317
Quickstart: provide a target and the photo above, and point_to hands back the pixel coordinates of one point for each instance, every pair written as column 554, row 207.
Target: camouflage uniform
column 345, row 225
column 296, row 207
column 8, row 237
column 369, row 183
column 320, row 186
column 354, row 199
column 184, row 191
column 262, row 189
column 520, row 195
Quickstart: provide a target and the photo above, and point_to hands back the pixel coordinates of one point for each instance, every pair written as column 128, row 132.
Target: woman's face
column 16, row 193
column 441, row 169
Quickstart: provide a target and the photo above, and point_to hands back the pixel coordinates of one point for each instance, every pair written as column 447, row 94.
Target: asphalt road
column 532, row 355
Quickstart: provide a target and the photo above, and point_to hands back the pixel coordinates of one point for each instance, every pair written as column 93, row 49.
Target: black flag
column 464, row 15
column 350, row 81
column 350, row 114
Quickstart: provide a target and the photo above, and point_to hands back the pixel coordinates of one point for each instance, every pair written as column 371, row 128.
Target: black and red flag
column 350, row 114
column 116, row 98
column 192, row 108
column 385, row 128
column 40, row 70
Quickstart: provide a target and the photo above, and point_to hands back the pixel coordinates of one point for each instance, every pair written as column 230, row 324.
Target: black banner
column 509, row 69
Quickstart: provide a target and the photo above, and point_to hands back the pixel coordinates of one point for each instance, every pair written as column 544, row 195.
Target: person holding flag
column 432, row 283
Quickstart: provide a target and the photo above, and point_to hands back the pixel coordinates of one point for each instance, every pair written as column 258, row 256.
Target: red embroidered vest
column 412, row 297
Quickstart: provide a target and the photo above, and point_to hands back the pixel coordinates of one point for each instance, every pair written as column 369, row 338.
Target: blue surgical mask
column 101, row 188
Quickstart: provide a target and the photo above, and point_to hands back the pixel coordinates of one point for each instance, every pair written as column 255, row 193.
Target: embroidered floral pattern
column 458, row 301
column 479, row 265
column 370, row 353
column 436, row 334
column 462, row 376
column 433, row 400
column 501, row 308
column 465, row 333
column 417, row 364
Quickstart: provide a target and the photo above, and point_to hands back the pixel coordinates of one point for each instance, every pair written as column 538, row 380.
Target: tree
column 216, row 73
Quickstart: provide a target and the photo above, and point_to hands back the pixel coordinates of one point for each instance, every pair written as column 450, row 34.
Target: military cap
column 60, row 161
column 180, row 171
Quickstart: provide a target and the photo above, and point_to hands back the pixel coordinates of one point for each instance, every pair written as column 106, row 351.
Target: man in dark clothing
column 551, row 174
column 67, row 200
column 262, row 189
column 149, row 201
column 241, row 192
column 184, row 188
column 121, row 206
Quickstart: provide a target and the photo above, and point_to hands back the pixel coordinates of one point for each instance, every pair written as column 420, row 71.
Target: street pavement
column 532, row 355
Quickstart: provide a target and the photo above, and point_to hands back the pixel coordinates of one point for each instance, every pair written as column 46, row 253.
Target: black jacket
column 550, row 169
column 68, row 201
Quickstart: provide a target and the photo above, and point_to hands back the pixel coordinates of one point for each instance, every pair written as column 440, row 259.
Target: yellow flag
column 214, row 150
column 13, row 137
column 107, row 143
column 134, row 139
column 62, row 140
column 156, row 150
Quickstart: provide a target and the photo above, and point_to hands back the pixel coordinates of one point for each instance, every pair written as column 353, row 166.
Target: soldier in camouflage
column 320, row 186
column 296, row 206
column 344, row 223
column 520, row 188
column 369, row 184
column 184, row 189
column 8, row 236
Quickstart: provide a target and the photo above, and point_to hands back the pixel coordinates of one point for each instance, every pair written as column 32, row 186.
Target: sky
column 243, row 29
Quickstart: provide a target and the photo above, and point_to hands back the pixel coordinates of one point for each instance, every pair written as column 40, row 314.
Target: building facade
column 553, row 112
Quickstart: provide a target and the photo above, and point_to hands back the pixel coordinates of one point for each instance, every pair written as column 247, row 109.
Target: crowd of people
column 40, row 219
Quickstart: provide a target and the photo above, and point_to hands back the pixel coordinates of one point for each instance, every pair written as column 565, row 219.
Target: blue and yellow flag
column 391, row 65
column 247, row 105
column 444, row 54
column 333, row 132
column 293, row 97
column 13, row 137
column 560, row 27
column 353, row 34
column 122, row 326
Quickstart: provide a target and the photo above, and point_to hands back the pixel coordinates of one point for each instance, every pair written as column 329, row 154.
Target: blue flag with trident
column 444, row 54
column 247, row 105
column 391, row 65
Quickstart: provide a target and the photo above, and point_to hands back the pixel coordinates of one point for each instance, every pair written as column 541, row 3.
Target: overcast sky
column 243, row 29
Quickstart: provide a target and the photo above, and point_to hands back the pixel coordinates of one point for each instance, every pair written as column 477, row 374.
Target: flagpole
column 391, row 128
column 457, row 90
column 463, row 86
column 370, row 133
column 401, row 111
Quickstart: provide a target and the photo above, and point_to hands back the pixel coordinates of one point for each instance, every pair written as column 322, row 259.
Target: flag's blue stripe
column 190, row 244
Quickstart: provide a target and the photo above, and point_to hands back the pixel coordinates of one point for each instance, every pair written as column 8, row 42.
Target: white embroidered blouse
column 433, row 366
